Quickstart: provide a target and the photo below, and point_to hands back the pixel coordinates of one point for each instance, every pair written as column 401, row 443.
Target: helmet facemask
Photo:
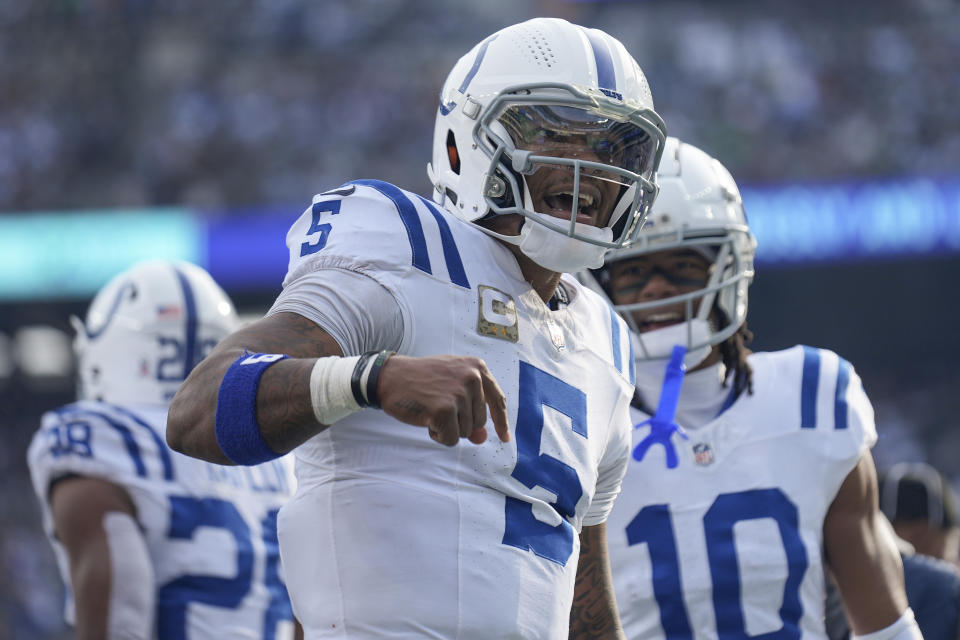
column 598, row 160
column 701, row 326
column 699, row 212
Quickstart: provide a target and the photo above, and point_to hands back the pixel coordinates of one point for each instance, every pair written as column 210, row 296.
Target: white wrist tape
column 905, row 628
column 131, row 579
column 330, row 392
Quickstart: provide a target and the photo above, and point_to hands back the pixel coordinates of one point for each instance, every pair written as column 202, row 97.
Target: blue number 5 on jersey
column 523, row 530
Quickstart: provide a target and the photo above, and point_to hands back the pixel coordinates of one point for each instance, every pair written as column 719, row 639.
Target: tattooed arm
column 447, row 394
column 283, row 398
column 594, row 612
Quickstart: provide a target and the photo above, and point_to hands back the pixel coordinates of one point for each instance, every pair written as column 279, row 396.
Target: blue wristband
column 238, row 432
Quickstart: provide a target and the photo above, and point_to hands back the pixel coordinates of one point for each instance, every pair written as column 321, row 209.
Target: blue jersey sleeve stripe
column 190, row 303
column 132, row 447
column 840, row 401
column 451, row 254
column 165, row 458
column 411, row 220
column 606, row 77
column 615, row 338
column 633, row 361
column 128, row 440
column 808, row 387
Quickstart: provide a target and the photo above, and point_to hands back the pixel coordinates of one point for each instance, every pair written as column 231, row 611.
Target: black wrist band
column 357, row 374
column 372, row 399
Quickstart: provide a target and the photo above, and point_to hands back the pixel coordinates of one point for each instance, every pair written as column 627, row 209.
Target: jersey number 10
column 653, row 526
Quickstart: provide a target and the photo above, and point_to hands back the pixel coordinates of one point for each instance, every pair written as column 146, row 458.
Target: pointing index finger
column 497, row 402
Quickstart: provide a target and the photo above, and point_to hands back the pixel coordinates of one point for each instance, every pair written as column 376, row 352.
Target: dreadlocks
column 734, row 352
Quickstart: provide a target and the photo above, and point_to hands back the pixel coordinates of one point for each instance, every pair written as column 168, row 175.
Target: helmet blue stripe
column 93, row 335
column 606, row 76
column 476, row 64
column 447, row 108
column 190, row 303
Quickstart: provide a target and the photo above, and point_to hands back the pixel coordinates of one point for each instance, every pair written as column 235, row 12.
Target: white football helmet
column 546, row 95
column 146, row 329
column 699, row 207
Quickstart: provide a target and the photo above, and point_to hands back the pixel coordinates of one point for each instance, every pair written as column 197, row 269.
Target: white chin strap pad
column 561, row 253
column 557, row 251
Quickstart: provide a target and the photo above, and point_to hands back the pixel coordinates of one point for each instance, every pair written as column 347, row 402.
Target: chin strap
column 662, row 424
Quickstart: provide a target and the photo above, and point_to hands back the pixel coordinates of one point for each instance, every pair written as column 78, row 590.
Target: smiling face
column 659, row 276
column 552, row 187
column 610, row 147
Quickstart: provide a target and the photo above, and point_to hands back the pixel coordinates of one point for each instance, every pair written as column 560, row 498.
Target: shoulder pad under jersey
column 819, row 392
column 370, row 226
column 98, row 440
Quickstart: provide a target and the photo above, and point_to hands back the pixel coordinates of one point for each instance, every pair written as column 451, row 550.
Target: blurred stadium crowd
column 129, row 102
column 110, row 103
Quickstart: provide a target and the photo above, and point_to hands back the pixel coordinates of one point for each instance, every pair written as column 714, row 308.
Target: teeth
column 662, row 317
column 586, row 199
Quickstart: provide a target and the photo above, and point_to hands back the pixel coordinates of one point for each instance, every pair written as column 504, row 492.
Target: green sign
column 59, row 255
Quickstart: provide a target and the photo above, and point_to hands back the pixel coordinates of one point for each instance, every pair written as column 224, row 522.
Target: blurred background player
column 751, row 470
column 151, row 543
column 922, row 506
column 933, row 592
column 545, row 148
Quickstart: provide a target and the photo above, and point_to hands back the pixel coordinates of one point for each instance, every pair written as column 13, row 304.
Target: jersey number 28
column 188, row 514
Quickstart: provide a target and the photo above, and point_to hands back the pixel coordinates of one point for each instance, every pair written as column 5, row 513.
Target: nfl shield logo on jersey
column 702, row 454
column 497, row 316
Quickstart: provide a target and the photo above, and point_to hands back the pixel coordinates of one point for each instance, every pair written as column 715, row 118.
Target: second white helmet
column 146, row 329
column 699, row 208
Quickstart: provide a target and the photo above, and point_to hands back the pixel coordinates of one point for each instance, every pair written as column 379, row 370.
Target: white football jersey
column 728, row 543
column 392, row 535
column 210, row 529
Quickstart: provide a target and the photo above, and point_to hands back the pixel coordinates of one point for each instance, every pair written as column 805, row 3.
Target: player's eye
column 635, row 271
column 689, row 267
